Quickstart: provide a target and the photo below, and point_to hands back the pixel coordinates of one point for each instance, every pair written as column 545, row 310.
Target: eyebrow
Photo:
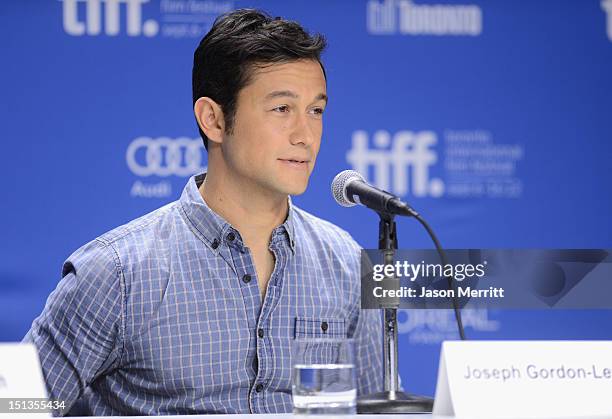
column 293, row 95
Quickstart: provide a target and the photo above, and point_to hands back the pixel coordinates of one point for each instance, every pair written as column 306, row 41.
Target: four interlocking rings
column 165, row 156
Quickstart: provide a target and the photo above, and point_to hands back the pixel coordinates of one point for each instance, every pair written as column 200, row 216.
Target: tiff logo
column 607, row 6
column 410, row 153
column 106, row 15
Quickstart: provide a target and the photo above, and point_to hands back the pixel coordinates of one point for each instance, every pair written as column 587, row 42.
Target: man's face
column 277, row 127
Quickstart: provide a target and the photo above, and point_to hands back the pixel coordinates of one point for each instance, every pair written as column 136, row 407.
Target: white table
column 292, row 416
column 278, row 416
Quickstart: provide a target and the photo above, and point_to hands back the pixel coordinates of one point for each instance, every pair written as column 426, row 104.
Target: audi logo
column 165, row 156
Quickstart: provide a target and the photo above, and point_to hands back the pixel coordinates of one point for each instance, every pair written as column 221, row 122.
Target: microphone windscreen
column 340, row 183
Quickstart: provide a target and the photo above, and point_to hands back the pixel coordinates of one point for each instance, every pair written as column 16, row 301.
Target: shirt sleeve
column 368, row 352
column 79, row 332
column 366, row 330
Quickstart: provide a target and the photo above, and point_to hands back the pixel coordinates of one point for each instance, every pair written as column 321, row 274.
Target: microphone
column 350, row 188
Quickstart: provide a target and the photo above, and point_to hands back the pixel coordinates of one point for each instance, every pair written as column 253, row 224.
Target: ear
column 210, row 118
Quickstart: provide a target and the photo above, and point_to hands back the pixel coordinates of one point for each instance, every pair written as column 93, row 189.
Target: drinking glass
column 323, row 378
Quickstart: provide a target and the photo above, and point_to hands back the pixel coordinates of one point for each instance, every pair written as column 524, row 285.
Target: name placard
column 22, row 387
column 520, row 379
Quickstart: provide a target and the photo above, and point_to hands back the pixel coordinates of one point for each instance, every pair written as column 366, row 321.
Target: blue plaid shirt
column 164, row 315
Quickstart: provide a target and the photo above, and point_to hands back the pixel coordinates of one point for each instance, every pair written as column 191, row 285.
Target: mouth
column 295, row 162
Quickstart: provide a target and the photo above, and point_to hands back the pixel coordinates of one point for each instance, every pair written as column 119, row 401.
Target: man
column 193, row 308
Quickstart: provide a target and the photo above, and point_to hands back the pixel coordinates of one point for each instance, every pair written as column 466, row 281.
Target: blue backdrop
column 493, row 119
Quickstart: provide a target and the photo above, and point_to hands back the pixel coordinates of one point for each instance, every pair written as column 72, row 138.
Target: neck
column 253, row 212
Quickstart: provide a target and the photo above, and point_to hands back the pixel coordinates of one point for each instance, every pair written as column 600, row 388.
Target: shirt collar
column 289, row 224
column 211, row 225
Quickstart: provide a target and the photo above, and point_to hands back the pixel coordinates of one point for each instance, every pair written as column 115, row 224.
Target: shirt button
column 259, row 388
column 246, row 278
column 324, row 326
column 260, row 333
column 215, row 244
column 231, row 237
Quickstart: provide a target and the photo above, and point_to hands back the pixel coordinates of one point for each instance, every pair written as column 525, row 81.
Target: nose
column 303, row 132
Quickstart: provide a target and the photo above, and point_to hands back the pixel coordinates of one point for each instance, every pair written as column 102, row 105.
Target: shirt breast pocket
column 311, row 327
column 319, row 341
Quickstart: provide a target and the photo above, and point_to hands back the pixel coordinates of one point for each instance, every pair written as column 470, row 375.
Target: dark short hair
column 239, row 42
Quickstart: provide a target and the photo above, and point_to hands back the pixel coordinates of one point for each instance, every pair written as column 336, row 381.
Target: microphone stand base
column 395, row 402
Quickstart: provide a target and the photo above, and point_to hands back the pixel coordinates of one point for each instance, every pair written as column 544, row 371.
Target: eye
column 281, row 109
column 317, row 111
